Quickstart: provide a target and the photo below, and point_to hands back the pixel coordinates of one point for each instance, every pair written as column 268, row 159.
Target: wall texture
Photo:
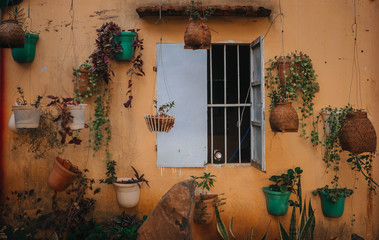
column 320, row 28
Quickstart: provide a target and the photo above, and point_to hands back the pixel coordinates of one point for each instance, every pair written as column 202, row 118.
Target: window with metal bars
column 219, row 104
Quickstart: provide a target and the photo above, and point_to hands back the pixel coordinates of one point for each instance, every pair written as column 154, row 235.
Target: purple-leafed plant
column 136, row 67
column 66, row 118
column 136, row 179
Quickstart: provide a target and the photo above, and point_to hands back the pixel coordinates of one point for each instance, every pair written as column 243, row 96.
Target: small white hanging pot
column 325, row 114
column 12, row 124
column 26, row 116
column 127, row 193
column 78, row 114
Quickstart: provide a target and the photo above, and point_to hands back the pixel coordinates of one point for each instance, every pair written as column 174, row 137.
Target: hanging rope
column 355, row 72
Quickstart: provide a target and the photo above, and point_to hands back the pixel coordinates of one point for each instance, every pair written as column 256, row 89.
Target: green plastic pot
column 126, row 41
column 276, row 202
column 27, row 53
column 330, row 209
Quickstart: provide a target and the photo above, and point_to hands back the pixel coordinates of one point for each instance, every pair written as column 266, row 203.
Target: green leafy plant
column 334, row 193
column 83, row 89
column 298, row 84
column 165, row 108
column 194, row 13
column 205, row 182
column 17, row 13
column 22, row 101
column 302, row 230
column 125, row 227
column 286, row 181
column 221, row 228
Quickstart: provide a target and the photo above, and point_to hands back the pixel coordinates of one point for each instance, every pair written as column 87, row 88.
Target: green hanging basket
column 27, row 53
column 276, row 202
column 330, row 209
column 126, row 40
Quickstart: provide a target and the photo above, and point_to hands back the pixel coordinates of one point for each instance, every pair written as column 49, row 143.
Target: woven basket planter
column 159, row 123
column 357, row 134
column 197, row 35
column 283, row 118
column 11, row 34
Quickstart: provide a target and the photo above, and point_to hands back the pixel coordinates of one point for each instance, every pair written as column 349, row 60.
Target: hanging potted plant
column 205, row 202
column 333, row 200
column 197, row 34
column 84, row 82
column 290, row 78
column 128, row 41
column 357, row 134
column 62, row 174
column 161, row 122
column 11, row 33
column 71, row 117
column 277, row 195
column 24, row 115
column 128, row 189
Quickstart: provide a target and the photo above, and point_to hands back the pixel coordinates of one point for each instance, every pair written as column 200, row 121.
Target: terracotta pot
column 160, row 123
column 26, row 116
column 127, row 193
column 357, row 134
column 283, row 118
column 62, row 174
column 205, row 208
column 11, row 34
column 197, row 35
column 81, row 82
column 283, row 67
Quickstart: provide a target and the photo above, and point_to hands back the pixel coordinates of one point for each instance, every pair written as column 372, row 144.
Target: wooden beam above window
column 241, row 11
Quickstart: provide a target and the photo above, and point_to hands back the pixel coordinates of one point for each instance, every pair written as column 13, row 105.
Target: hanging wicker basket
column 357, row 134
column 197, row 35
column 284, row 69
column 283, row 118
column 159, row 123
column 11, row 34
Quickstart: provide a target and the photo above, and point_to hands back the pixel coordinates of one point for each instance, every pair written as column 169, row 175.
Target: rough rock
column 172, row 218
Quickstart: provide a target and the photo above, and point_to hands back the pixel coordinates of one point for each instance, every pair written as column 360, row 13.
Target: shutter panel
column 258, row 104
column 182, row 77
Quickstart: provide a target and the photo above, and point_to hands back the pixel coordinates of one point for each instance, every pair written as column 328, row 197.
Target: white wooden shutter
column 258, row 105
column 182, row 77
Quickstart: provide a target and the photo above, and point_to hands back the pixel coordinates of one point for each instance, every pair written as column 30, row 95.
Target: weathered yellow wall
column 320, row 28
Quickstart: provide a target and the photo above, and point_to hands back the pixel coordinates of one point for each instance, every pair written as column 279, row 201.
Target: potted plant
column 127, row 41
column 290, row 78
column 333, row 200
column 84, row 81
column 197, row 34
column 205, row 202
column 62, row 174
column 161, row 122
column 128, row 189
column 11, row 33
column 71, row 116
column 26, row 116
column 277, row 195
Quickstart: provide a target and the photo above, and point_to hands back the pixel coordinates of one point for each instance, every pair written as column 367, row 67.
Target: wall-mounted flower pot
column 330, row 209
column 78, row 113
column 126, row 41
column 26, row 116
column 62, row 174
column 357, row 134
column 27, row 53
column 159, row 123
column 197, row 35
column 205, row 208
column 128, row 194
column 283, row 118
column 11, row 34
column 276, row 202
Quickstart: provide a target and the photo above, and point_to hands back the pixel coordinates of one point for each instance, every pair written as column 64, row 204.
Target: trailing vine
column 296, row 81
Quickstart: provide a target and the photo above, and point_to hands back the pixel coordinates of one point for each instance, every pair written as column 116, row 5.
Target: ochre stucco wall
column 320, row 28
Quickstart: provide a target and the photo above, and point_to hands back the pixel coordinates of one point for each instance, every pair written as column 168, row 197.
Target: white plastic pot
column 12, row 125
column 26, row 116
column 325, row 115
column 78, row 113
column 127, row 193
